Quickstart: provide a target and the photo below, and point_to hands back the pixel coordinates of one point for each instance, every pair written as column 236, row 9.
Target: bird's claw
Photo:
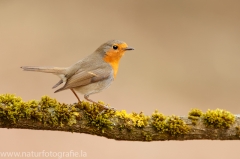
column 106, row 108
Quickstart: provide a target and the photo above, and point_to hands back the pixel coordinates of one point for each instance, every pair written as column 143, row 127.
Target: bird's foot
column 78, row 104
column 106, row 108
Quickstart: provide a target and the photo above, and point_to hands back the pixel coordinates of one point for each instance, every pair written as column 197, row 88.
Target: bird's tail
column 54, row 70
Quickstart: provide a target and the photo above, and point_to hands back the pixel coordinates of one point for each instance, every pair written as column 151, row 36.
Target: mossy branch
column 48, row 114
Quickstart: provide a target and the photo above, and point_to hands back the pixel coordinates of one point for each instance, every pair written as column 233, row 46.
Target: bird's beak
column 129, row 48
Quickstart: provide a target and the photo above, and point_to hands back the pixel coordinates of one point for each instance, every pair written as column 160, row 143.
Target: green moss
column 97, row 118
column 46, row 110
column 147, row 136
column 158, row 121
column 172, row 125
column 194, row 115
column 218, row 118
column 12, row 108
column 49, row 111
column 238, row 131
column 133, row 119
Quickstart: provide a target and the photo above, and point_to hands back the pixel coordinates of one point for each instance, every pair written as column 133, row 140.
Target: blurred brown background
column 186, row 55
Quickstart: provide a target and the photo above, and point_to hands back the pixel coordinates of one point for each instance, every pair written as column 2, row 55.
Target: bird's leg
column 103, row 106
column 76, row 95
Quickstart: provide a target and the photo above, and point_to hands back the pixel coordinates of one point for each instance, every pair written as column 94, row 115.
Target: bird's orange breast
column 113, row 59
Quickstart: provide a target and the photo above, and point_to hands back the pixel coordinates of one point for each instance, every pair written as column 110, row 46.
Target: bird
column 90, row 75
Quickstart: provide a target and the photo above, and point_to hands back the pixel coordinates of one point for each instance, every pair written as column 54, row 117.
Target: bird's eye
column 115, row 47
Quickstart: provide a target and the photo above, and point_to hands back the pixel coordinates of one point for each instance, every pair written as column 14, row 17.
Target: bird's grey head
column 116, row 46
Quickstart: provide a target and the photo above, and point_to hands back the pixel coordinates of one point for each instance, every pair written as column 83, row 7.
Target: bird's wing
column 86, row 77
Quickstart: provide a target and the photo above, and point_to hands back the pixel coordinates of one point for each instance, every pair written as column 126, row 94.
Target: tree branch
column 48, row 114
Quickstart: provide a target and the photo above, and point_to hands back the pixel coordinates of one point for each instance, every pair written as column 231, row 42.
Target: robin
column 92, row 74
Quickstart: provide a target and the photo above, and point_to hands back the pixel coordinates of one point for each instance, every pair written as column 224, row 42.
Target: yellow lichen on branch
column 49, row 114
